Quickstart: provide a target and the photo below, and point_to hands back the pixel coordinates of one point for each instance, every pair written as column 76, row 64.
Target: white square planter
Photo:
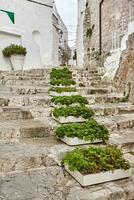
column 60, row 105
column 76, row 141
column 64, row 86
column 93, row 179
column 70, row 119
column 55, row 94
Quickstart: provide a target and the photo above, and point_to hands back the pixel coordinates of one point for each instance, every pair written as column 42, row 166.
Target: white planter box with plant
column 90, row 132
column 70, row 119
column 74, row 100
column 16, row 54
column 56, row 94
column 95, row 165
column 72, row 114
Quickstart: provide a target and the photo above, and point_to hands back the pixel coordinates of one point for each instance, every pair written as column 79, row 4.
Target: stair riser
column 110, row 111
column 17, row 134
column 27, row 101
column 24, row 82
column 22, row 115
column 23, row 163
column 93, row 100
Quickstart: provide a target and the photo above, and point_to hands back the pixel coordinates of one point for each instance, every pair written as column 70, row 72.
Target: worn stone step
column 53, row 183
column 27, row 100
column 104, row 98
column 106, row 109
column 123, row 139
column 117, row 122
column 24, row 82
column 15, row 130
column 14, row 113
column 23, row 90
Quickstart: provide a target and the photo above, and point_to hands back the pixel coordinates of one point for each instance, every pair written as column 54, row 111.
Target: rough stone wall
column 115, row 18
column 125, row 75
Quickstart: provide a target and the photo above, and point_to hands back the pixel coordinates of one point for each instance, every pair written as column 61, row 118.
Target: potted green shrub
column 89, row 132
column 94, row 165
column 74, row 100
column 72, row 114
column 16, row 54
column 63, row 91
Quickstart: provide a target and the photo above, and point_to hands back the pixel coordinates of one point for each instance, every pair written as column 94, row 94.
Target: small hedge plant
column 64, row 82
column 88, row 131
column 69, row 100
column 94, row 160
column 64, row 73
column 60, row 90
column 75, row 111
column 14, row 50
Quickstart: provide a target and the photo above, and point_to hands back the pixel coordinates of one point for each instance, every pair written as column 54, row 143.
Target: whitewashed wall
column 112, row 62
column 32, row 29
column 79, row 38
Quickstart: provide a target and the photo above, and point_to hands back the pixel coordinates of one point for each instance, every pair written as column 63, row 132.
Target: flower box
column 93, row 179
column 70, row 119
column 64, row 86
column 76, row 141
column 52, row 93
column 60, row 105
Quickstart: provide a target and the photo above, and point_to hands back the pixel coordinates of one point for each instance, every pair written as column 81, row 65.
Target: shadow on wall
column 37, row 38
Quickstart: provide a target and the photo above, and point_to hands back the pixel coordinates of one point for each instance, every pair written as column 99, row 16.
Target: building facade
column 80, row 33
column 30, row 23
column 106, row 28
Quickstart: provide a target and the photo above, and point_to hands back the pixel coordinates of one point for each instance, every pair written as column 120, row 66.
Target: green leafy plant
column 76, row 111
column 64, row 73
column 69, row 100
column 88, row 131
column 60, row 90
column 90, row 31
column 94, row 160
column 65, row 82
column 14, row 50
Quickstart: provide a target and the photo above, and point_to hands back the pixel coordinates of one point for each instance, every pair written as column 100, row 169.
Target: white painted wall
column 33, row 29
column 60, row 40
column 112, row 62
column 79, row 37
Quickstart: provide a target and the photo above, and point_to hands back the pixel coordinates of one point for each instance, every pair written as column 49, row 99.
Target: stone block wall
column 115, row 19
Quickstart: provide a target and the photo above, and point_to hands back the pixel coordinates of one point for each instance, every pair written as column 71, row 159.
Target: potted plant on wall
column 16, row 54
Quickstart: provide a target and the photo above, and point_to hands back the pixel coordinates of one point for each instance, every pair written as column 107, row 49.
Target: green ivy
column 88, row 131
column 76, row 111
column 69, row 100
column 94, row 160
column 65, row 82
column 64, row 73
column 60, row 89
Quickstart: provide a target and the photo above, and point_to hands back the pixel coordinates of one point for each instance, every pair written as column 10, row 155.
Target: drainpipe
column 100, row 27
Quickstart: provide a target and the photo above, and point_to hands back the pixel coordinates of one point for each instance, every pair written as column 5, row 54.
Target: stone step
column 28, row 100
column 117, row 122
column 24, row 82
column 104, row 98
column 123, row 139
column 15, row 130
column 23, row 90
column 102, row 109
column 30, row 171
column 52, row 183
column 14, row 113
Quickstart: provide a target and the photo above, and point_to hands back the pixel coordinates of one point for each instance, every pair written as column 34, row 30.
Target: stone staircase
column 30, row 154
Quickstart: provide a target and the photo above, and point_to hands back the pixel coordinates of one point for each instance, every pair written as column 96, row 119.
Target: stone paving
column 30, row 154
